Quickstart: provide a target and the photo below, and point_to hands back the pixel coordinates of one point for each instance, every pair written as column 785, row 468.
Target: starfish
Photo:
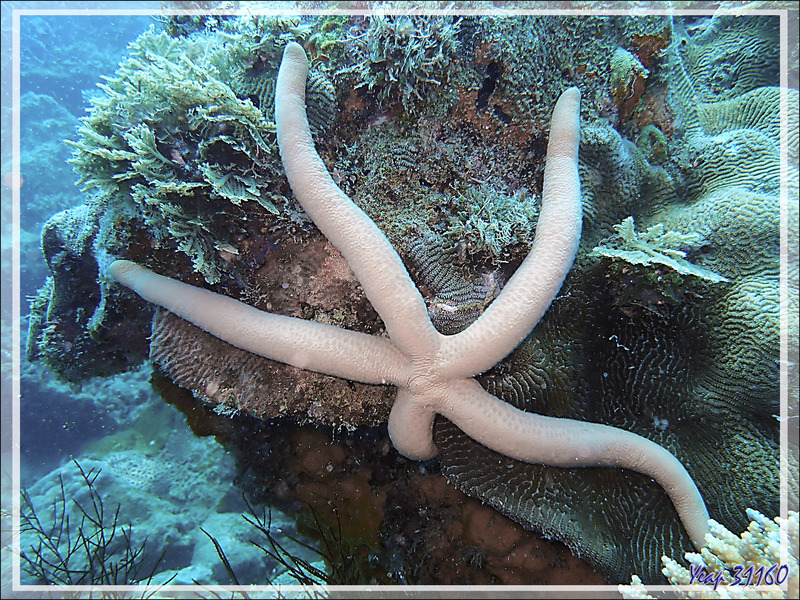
column 434, row 373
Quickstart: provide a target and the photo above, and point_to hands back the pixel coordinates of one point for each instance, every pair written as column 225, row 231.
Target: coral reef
column 687, row 363
column 648, row 271
column 628, row 77
column 433, row 374
column 171, row 159
column 728, row 55
column 182, row 142
column 310, row 281
column 535, row 57
column 259, row 51
column 169, row 142
column 76, row 325
column 235, row 380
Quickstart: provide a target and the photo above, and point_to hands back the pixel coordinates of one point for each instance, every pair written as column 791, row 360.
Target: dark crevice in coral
column 493, row 72
column 503, row 117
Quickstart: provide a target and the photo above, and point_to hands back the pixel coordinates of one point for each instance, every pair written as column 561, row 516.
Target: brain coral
column 685, row 361
column 700, row 376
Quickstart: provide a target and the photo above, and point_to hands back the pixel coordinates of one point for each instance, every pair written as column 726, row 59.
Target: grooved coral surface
column 455, row 298
column 309, row 281
column 699, row 377
column 728, row 55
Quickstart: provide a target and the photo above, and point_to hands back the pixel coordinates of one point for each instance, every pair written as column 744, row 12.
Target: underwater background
column 148, row 460
column 668, row 324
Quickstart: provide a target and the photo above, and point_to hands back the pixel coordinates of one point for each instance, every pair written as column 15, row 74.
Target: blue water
column 168, row 482
column 62, row 58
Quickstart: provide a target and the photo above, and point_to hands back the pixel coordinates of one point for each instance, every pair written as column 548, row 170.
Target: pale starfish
column 433, row 373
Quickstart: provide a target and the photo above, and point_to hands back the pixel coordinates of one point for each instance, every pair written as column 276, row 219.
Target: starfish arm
column 531, row 289
column 568, row 443
column 366, row 249
column 297, row 342
column 411, row 427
